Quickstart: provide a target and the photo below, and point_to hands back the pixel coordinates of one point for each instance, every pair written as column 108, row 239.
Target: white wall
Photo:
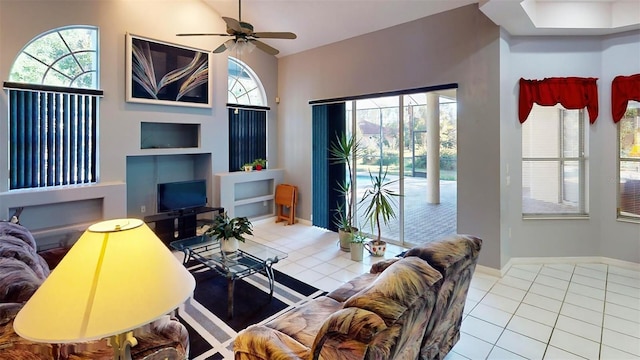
column 119, row 129
column 459, row 46
column 600, row 234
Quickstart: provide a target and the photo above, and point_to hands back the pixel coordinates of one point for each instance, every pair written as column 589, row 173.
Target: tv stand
column 178, row 224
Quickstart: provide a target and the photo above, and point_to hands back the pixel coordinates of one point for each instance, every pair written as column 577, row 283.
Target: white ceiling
column 321, row 22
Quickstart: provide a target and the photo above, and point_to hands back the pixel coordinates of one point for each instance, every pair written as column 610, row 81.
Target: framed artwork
column 168, row 74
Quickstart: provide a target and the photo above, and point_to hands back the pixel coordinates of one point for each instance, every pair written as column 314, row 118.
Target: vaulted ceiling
column 321, row 22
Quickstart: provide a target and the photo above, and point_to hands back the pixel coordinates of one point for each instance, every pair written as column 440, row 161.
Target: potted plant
column 379, row 200
column 344, row 150
column 260, row 164
column 356, row 244
column 247, row 167
column 229, row 231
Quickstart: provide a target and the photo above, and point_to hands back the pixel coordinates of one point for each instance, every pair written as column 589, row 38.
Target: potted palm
column 344, row 150
column 379, row 202
column 229, row 231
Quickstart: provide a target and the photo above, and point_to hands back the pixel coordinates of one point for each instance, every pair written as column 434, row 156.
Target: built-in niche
column 145, row 172
column 154, row 135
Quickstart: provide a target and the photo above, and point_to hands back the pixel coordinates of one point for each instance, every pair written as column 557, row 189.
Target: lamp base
column 122, row 344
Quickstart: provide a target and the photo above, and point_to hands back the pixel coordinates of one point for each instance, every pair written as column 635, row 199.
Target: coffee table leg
column 230, row 286
column 269, row 271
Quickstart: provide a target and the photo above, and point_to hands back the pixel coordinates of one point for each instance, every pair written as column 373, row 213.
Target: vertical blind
column 247, row 136
column 52, row 137
column 328, row 120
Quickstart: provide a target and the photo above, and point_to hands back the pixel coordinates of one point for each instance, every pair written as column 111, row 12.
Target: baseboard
column 273, row 219
column 557, row 260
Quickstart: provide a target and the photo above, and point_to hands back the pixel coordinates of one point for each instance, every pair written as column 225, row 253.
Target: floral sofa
column 22, row 271
column 404, row 308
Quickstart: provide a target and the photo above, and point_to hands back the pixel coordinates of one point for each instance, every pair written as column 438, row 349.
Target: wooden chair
column 286, row 197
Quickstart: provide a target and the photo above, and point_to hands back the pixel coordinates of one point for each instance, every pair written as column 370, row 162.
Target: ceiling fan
column 243, row 34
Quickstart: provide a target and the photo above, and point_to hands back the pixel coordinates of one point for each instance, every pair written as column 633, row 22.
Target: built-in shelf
column 249, row 194
column 155, row 135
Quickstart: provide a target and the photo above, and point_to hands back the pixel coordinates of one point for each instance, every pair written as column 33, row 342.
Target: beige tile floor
column 536, row 311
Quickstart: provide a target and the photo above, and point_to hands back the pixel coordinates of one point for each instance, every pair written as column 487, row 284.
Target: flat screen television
column 182, row 196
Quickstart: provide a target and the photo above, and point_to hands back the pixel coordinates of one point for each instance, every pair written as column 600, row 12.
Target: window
column 247, row 116
column 243, row 85
column 629, row 162
column 53, row 110
column 554, row 162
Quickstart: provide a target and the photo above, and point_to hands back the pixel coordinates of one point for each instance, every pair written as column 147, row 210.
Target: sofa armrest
column 347, row 331
column 382, row 265
column 259, row 342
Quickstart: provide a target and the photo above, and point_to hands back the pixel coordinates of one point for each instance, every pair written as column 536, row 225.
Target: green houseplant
column 259, row 164
column 357, row 241
column 345, row 150
column 379, row 202
column 229, row 231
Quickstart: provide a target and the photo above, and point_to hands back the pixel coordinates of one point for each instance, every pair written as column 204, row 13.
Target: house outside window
column 53, row 110
column 629, row 163
column 554, row 163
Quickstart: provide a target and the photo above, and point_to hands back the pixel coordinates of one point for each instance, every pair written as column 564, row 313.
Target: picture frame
column 159, row 72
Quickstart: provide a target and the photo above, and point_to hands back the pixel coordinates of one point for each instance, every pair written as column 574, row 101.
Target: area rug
column 211, row 333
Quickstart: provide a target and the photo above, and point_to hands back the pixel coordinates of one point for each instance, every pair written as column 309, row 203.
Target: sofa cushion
column 352, row 287
column 396, row 289
column 303, row 323
column 289, row 336
column 17, row 281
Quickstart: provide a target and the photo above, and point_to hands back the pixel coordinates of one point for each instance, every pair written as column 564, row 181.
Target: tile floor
column 536, row 311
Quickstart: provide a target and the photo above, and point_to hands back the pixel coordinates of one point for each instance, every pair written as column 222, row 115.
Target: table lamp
column 117, row 277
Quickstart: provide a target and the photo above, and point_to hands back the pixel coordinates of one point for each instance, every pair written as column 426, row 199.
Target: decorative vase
column 376, row 249
column 229, row 246
column 356, row 251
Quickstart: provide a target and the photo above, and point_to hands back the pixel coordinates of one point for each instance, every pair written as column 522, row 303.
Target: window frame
column 621, row 215
column 57, row 144
column 582, row 161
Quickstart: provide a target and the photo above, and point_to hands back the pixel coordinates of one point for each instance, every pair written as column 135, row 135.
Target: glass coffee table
column 251, row 258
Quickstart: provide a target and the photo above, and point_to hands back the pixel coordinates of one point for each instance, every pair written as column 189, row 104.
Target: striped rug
column 211, row 333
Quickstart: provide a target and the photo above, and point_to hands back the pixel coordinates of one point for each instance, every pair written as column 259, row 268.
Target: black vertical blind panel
column 52, row 138
column 67, row 102
column 327, row 121
column 92, row 115
column 247, row 137
column 13, row 138
column 42, row 139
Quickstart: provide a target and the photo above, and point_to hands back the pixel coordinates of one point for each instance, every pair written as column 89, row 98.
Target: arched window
column 247, row 116
column 243, row 85
column 53, row 109
column 65, row 56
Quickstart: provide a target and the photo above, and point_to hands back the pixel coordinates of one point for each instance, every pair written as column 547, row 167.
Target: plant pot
column 229, row 246
column 376, row 249
column 345, row 238
column 258, row 167
column 248, row 168
column 357, row 250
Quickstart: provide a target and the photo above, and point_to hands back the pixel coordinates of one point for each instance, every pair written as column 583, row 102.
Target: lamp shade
column 118, row 276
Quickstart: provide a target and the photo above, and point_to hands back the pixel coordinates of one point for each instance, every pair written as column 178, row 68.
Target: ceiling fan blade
column 203, row 34
column 225, row 45
column 274, row 35
column 266, row 48
column 233, row 24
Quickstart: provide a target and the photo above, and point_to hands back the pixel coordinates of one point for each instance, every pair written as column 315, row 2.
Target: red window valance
column 623, row 89
column 570, row 92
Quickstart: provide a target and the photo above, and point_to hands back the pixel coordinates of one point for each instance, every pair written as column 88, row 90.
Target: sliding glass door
column 412, row 139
